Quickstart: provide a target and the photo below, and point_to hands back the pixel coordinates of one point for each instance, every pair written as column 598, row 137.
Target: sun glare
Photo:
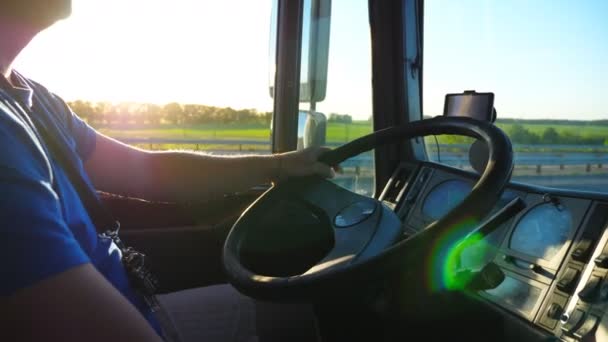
column 208, row 52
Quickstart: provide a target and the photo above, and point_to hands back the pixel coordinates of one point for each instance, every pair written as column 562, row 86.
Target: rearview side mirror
column 316, row 19
column 312, row 129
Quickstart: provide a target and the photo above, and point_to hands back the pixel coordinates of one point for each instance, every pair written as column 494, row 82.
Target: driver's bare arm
column 185, row 176
column 78, row 304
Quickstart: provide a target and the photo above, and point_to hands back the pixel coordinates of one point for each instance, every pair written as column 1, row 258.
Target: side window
column 337, row 95
column 178, row 75
column 544, row 62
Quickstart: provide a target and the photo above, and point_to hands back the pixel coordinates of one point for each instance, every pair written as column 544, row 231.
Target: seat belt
column 140, row 277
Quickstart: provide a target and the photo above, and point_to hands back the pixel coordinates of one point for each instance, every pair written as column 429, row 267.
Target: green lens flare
column 444, row 259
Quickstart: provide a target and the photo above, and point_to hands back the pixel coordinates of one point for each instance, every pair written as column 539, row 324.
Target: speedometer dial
column 542, row 231
column 444, row 197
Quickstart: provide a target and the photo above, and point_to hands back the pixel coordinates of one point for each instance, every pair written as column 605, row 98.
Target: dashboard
column 553, row 253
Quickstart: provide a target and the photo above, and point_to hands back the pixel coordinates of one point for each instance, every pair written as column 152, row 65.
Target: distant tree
column 226, row 115
column 153, row 113
column 138, row 113
column 340, row 118
column 550, row 136
column 83, row 109
column 191, row 113
column 520, row 135
column 266, row 118
column 101, row 111
column 173, row 113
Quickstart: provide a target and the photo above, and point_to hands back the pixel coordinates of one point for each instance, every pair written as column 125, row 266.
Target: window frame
column 286, row 95
column 397, row 45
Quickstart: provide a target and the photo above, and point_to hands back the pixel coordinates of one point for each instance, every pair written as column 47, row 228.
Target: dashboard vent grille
column 592, row 231
column 398, row 184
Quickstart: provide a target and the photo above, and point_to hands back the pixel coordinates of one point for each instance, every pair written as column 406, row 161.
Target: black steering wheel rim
column 477, row 204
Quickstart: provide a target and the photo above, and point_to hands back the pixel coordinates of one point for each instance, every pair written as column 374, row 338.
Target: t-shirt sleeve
column 35, row 241
column 84, row 135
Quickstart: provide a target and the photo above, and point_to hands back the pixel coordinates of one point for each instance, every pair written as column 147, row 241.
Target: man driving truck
column 60, row 278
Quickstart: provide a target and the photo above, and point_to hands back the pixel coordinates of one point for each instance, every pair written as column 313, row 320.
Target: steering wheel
column 308, row 236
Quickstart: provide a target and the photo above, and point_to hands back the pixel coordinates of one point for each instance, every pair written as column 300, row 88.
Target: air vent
column 396, row 186
column 593, row 228
column 415, row 190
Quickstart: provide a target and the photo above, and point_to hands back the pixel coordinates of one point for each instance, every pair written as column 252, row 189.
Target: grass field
column 583, row 130
column 336, row 132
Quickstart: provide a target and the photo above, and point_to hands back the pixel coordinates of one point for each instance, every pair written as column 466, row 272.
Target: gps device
column 470, row 104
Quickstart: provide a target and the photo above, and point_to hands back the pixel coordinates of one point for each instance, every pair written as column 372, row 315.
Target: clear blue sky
column 542, row 58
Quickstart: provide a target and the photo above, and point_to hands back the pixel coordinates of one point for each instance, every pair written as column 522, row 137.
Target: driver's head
column 38, row 14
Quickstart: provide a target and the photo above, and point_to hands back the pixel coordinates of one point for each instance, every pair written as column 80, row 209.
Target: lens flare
column 444, row 257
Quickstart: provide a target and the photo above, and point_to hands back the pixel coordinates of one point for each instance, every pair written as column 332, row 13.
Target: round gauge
column 542, row 231
column 444, row 197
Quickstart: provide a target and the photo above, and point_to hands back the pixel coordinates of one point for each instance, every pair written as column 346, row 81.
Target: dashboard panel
column 554, row 253
column 444, row 197
column 542, row 231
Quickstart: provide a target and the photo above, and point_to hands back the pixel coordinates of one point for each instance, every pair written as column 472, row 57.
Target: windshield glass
column 545, row 61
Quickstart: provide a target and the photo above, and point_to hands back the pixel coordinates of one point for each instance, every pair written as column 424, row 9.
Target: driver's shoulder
column 22, row 152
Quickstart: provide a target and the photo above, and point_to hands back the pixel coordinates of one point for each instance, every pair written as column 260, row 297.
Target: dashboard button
column 590, row 292
column 552, row 315
column 581, row 252
column 554, row 311
column 507, row 258
column 535, row 268
column 568, row 280
column 604, row 290
column 575, row 321
column 602, row 261
column 587, row 327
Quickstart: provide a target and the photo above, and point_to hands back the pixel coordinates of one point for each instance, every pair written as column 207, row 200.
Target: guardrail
column 450, row 154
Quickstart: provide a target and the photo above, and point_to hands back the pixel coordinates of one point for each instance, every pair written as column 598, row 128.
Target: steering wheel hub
column 355, row 213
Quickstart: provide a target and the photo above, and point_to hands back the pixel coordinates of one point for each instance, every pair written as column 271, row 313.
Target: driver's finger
column 318, row 151
column 323, row 170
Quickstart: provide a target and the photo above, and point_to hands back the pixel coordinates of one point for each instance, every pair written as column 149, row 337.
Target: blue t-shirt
column 45, row 228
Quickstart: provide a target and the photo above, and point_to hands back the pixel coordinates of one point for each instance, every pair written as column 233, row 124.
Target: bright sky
column 542, row 59
column 207, row 52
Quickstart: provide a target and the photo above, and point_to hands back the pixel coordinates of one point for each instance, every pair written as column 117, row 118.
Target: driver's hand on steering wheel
column 303, row 163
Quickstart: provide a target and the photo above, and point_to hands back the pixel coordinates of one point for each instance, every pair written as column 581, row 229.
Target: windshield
column 545, row 61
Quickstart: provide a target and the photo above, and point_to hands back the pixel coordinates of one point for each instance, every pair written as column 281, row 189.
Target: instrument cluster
column 548, row 252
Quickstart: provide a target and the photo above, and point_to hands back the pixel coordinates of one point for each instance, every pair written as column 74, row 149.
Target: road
column 579, row 170
column 592, row 182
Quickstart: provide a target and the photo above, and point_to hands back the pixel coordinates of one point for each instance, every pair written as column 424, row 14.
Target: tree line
column 556, row 122
column 99, row 114
column 142, row 114
column 340, row 118
column 519, row 134
column 550, row 136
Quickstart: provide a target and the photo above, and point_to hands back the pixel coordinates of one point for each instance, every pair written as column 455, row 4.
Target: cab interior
column 539, row 271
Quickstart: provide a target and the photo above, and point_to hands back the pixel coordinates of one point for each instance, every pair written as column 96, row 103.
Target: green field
column 583, row 130
column 337, row 132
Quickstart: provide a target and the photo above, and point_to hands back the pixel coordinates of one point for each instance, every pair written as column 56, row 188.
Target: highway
column 560, row 166
column 591, row 182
